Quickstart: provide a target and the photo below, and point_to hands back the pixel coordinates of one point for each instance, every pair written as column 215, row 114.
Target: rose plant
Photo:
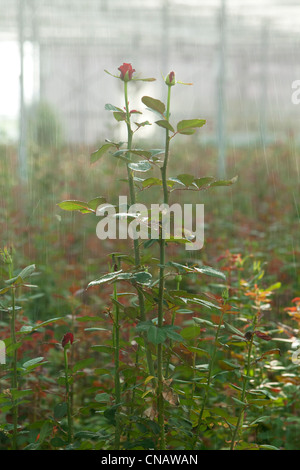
column 154, row 332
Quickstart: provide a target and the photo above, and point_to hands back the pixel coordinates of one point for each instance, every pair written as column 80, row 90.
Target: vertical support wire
column 22, row 118
column 221, row 137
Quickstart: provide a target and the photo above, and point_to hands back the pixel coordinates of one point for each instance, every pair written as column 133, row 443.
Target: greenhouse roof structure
column 213, row 43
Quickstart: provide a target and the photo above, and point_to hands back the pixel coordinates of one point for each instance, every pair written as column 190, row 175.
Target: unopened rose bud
column 170, row 80
column 126, row 72
column 68, row 338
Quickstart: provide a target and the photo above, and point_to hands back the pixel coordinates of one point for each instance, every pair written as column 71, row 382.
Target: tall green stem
column 162, row 243
column 117, row 371
column 208, row 383
column 14, row 377
column 68, row 397
column 178, row 280
column 137, row 257
column 244, row 389
column 167, row 149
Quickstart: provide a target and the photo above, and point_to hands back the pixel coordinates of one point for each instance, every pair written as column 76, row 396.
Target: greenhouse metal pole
column 165, row 39
column 22, row 122
column 265, row 40
column 221, row 138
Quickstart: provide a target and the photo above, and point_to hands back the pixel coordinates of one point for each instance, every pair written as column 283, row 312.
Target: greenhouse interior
column 137, row 139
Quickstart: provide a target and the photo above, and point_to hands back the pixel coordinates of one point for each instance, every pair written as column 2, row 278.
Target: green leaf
column 5, row 289
column 97, row 201
column 201, row 321
column 154, row 104
column 120, row 116
column 144, row 325
column 143, row 166
column 202, row 182
column 172, row 334
column 95, row 329
column 60, row 410
column 180, row 267
column 143, row 124
column 29, row 328
column 187, row 126
column 200, row 352
column 26, row 272
column 150, row 242
column 227, row 365
column 191, row 332
column 156, row 335
column 32, row 362
column 86, row 435
column 232, row 329
column 210, row 271
column 139, row 152
column 110, row 413
column 259, row 402
column 100, row 152
column 205, row 303
column 177, row 240
column 57, row 442
column 45, row 431
column 142, row 277
column 71, row 205
column 165, row 124
column 173, row 180
column 151, row 182
column 17, row 394
column 144, row 79
column 185, row 179
column 225, row 182
column 239, row 402
column 111, row 107
column 268, row 447
column 106, row 278
column 47, row 322
column 102, row 397
column 258, row 420
column 26, row 329
column 155, row 152
column 277, row 285
column 111, row 74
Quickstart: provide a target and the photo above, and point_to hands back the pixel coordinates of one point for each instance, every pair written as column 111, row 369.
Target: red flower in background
column 126, row 72
column 68, row 338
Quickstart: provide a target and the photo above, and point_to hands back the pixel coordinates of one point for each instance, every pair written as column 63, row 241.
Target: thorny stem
column 68, row 397
column 170, row 347
column 208, row 383
column 133, row 396
column 178, row 280
column 162, row 243
column 117, row 371
column 14, row 378
column 137, row 257
column 244, row 389
column 167, row 147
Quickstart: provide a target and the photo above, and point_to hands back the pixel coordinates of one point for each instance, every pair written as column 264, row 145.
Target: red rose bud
column 170, row 80
column 126, row 72
column 68, row 338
